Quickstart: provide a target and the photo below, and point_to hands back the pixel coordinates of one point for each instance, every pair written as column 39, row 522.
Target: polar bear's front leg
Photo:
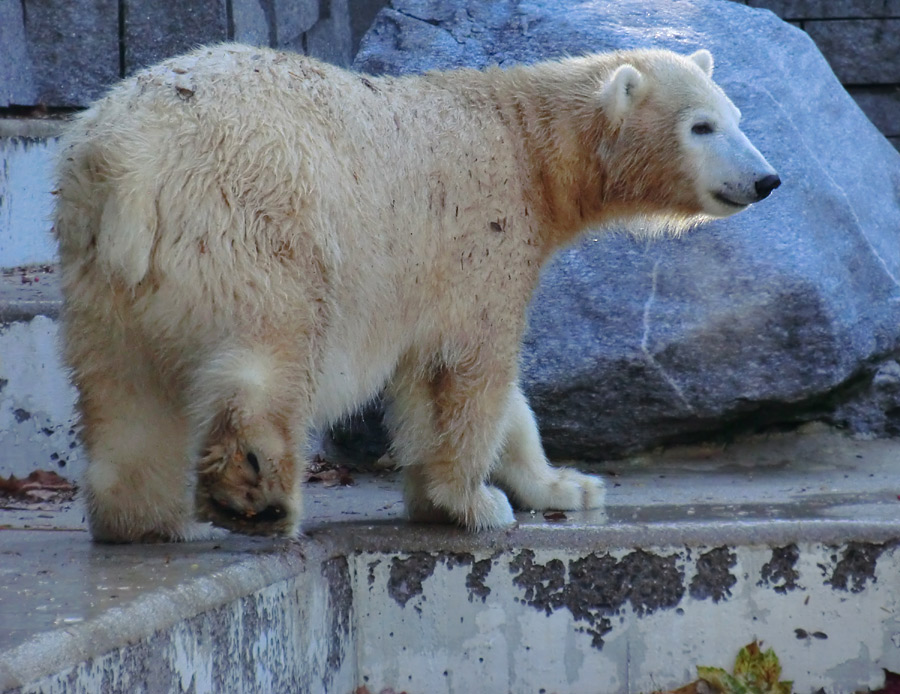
column 249, row 422
column 447, row 433
column 525, row 474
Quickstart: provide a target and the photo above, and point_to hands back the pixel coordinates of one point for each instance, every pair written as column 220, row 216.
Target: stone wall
column 861, row 40
column 64, row 53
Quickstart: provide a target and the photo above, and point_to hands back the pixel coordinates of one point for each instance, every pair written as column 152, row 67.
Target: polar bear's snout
column 766, row 185
column 735, row 174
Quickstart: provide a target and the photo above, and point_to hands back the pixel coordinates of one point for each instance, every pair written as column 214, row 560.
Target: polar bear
column 254, row 243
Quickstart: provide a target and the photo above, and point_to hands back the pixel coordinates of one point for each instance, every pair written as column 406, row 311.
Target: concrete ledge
column 33, row 128
column 791, row 538
column 29, row 291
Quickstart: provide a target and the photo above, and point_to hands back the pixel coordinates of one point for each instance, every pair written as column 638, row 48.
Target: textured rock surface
column 157, row 30
column 764, row 317
column 16, row 79
column 57, row 53
column 860, row 52
column 829, row 9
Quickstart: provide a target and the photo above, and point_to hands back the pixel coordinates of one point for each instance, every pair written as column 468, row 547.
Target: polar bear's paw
column 571, row 490
column 234, row 491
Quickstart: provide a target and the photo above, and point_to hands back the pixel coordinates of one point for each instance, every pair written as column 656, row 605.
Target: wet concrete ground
column 815, row 486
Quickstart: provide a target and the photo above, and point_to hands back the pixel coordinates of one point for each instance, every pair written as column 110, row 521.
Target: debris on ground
column 755, row 672
column 329, row 474
column 39, row 486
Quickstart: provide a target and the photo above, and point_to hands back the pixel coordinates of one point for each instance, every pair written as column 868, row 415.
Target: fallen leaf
column 331, row 477
column 755, row 672
column 40, row 485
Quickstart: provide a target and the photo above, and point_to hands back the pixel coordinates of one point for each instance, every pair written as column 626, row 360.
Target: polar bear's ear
column 622, row 91
column 704, row 60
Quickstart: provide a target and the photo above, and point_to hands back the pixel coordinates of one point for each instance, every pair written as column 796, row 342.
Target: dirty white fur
column 253, row 243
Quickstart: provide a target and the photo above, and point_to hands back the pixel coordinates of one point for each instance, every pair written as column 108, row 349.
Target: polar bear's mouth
column 270, row 514
column 728, row 202
column 271, row 520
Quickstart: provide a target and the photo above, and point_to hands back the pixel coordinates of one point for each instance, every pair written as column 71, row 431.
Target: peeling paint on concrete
column 278, row 639
column 408, row 574
column 336, row 572
column 346, row 621
column 26, row 201
column 37, row 419
column 597, row 586
column 713, row 578
column 856, row 566
column 371, row 574
column 780, row 571
column 475, row 580
column 627, row 621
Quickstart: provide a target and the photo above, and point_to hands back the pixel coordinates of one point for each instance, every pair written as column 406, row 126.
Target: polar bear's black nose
column 766, row 185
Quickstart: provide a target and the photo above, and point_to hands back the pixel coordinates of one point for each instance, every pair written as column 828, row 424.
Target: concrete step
column 791, row 539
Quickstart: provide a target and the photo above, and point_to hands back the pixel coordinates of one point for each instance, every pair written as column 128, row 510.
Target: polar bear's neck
column 578, row 171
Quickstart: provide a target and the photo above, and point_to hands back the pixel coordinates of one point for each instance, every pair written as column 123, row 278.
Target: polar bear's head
column 679, row 129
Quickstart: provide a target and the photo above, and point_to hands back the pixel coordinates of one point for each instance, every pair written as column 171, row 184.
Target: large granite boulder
column 781, row 313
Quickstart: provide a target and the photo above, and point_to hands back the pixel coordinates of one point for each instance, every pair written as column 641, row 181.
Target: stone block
column 73, row 49
column 253, row 22
column 881, row 105
column 860, row 51
column 362, row 14
column 830, row 9
column 331, row 38
column 293, row 18
column 16, row 79
column 158, row 29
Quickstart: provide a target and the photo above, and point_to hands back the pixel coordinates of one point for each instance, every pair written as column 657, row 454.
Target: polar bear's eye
column 254, row 461
column 702, row 129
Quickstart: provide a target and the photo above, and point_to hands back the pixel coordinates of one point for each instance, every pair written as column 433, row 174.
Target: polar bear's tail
column 105, row 214
column 125, row 238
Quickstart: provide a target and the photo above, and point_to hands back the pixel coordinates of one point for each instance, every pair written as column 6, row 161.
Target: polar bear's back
column 237, row 186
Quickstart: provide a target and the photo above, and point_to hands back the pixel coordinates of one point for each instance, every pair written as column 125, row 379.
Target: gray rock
column 253, row 22
column 829, row 9
column 860, row 51
column 293, row 19
column 362, row 14
column 874, row 408
column 331, row 39
column 159, row 29
column 73, row 49
column 16, row 76
column 757, row 319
